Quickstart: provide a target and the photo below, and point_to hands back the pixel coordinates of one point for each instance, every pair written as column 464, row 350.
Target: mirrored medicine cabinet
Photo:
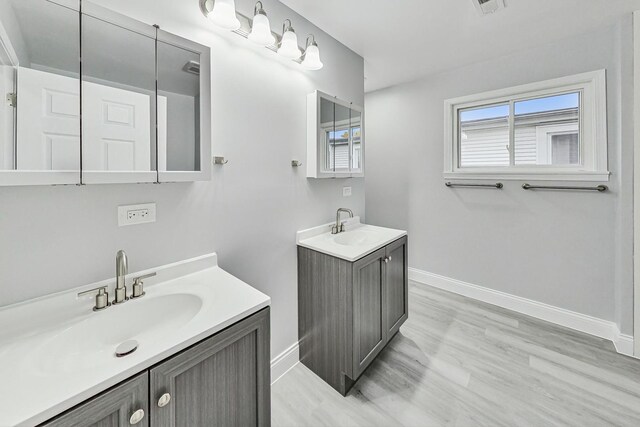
column 91, row 96
column 335, row 137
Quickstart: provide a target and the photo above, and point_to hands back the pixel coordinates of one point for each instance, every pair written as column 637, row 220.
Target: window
column 548, row 130
column 338, row 147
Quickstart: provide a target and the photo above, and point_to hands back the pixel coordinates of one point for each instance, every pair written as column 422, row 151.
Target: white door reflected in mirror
column 116, row 129
column 48, row 121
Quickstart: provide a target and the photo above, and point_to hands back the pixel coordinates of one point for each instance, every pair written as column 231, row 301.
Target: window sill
column 530, row 176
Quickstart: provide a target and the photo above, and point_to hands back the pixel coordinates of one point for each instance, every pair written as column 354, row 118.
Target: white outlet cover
column 346, row 191
column 136, row 214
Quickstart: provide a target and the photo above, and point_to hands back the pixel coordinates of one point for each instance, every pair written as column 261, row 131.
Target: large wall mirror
column 143, row 95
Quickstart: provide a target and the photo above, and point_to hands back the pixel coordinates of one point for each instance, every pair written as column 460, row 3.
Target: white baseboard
column 283, row 362
column 623, row 343
column 570, row 319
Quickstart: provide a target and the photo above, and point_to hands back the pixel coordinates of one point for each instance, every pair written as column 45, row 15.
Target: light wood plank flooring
column 459, row 362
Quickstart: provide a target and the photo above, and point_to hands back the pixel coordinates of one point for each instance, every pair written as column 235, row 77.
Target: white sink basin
column 356, row 242
column 55, row 352
column 91, row 342
column 357, row 237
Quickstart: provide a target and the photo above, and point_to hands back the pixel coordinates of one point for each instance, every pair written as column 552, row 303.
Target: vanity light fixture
column 311, row 59
column 289, row 43
column 222, row 13
column 260, row 28
column 257, row 29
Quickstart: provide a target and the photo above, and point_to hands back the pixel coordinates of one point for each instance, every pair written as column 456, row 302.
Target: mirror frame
column 315, row 149
column 82, row 177
column 204, row 174
column 363, row 143
column 95, row 11
column 15, row 178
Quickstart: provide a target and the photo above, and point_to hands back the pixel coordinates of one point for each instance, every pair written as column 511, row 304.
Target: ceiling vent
column 486, row 7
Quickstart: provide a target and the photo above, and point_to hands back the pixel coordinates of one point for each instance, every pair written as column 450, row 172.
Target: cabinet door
column 223, row 381
column 397, row 285
column 114, row 408
column 369, row 323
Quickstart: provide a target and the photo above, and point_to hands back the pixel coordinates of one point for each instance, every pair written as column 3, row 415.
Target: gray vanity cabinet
column 349, row 311
column 221, row 381
column 113, row 408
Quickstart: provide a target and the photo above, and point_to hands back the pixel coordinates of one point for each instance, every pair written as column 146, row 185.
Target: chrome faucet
column 122, row 270
column 339, row 228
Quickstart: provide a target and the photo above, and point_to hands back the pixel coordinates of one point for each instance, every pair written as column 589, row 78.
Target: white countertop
column 34, row 386
column 357, row 241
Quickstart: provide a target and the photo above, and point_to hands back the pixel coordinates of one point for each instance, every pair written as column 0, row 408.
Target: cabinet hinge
column 12, row 99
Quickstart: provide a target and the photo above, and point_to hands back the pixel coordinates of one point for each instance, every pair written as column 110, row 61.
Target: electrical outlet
column 136, row 214
column 346, row 191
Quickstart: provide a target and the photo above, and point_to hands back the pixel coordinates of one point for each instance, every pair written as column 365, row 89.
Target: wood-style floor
column 459, row 362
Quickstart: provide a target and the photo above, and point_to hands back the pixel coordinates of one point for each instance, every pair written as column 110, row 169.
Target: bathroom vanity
column 352, row 298
column 202, row 355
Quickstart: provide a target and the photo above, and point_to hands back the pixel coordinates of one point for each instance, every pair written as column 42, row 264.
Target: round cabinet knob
column 164, row 400
column 386, row 259
column 389, row 258
column 136, row 417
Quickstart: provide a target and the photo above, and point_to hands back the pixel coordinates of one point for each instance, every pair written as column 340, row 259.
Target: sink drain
column 126, row 348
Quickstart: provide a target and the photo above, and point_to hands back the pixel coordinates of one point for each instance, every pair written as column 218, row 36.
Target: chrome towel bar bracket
column 599, row 188
column 497, row 185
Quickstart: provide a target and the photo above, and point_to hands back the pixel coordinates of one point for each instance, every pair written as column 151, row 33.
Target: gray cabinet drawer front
column 112, row 408
column 223, row 381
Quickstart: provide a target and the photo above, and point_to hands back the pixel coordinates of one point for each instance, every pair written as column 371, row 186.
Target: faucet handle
column 102, row 297
column 138, row 290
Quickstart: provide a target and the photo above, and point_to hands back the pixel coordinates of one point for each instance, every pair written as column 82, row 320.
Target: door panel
column 223, row 381
column 396, row 285
column 113, row 408
column 48, row 121
column 116, row 131
column 369, row 316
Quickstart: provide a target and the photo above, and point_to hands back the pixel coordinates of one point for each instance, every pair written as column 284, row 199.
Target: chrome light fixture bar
column 260, row 25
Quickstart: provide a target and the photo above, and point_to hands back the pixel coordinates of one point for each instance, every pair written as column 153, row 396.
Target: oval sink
column 85, row 344
column 356, row 238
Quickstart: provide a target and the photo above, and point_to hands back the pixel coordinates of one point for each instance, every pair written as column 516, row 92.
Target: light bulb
column 261, row 30
column 224, row 14
column 289, row 43
column 312, row 58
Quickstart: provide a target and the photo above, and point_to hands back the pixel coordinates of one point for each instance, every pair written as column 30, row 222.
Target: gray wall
column 568, row 249
column 56, row 238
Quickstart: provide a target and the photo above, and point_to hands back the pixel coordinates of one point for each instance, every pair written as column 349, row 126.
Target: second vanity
column 352, row 297
column 202, row 354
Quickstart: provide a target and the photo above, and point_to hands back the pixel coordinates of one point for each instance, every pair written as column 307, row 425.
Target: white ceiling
column 401, row 40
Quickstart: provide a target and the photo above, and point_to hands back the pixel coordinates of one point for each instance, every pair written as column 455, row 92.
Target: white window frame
column 593, row 131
